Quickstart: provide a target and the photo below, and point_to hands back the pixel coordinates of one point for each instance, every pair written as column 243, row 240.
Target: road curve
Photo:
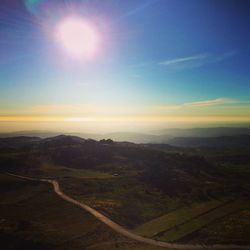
column 124, row 231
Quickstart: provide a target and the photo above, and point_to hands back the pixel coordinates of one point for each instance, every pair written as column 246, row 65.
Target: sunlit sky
column 144, row 64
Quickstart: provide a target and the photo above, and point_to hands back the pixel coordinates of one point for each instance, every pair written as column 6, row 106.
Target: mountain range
column 194, row 137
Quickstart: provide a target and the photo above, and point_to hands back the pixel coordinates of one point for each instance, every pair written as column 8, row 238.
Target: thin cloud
column 184, row 59
column 196, row 61
column 205, row 103
column 189, row 62
column 211, row 102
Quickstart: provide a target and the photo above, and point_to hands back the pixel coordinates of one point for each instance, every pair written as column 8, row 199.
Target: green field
column 174, row 218
column 186, row 228
column 232, row 228
column 184, row 221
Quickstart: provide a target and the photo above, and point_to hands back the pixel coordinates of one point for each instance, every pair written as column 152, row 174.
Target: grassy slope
column 33, row 217
column 31, row 211
column 126, row 200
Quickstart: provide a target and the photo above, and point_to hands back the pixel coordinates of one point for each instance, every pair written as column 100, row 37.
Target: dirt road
column 124, row 231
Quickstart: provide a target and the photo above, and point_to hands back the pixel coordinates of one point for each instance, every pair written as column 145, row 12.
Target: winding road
column 125, row 232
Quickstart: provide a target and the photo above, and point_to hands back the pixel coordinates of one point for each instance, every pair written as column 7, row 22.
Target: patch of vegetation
column 181, row 230
column 234, row 229
column 126, row 199
column 175, row 218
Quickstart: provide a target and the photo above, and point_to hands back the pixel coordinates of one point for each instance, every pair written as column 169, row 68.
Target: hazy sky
column 158, row 63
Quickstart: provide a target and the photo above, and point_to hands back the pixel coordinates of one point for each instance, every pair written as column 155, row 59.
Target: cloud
column 211, row 102
column 195, row 61
column 188, row 62
column 184, row 59
column 216, row 103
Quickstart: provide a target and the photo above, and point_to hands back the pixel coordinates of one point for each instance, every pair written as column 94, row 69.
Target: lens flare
column 77, row 37
column 32, row 5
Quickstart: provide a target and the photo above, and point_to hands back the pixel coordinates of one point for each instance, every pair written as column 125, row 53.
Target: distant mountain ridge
column 241, row 141
column 116, row 136
column 204, row 132
column 195, row 137
column 218, row 142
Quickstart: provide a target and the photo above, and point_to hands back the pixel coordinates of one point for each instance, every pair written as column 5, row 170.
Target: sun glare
column 77, row 37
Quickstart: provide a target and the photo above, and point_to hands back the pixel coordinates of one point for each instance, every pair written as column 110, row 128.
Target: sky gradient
column 159, row 64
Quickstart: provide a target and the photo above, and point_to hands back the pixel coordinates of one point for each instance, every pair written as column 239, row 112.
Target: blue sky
column 157, row 60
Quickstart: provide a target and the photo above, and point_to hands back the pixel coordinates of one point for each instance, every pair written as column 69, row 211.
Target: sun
column 77, row 37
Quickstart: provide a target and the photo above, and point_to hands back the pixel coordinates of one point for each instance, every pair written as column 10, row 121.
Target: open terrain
column 163, row 193
column 33, row 217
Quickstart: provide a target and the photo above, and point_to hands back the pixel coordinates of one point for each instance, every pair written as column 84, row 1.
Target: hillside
column 158, row 136
column 138, row 184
